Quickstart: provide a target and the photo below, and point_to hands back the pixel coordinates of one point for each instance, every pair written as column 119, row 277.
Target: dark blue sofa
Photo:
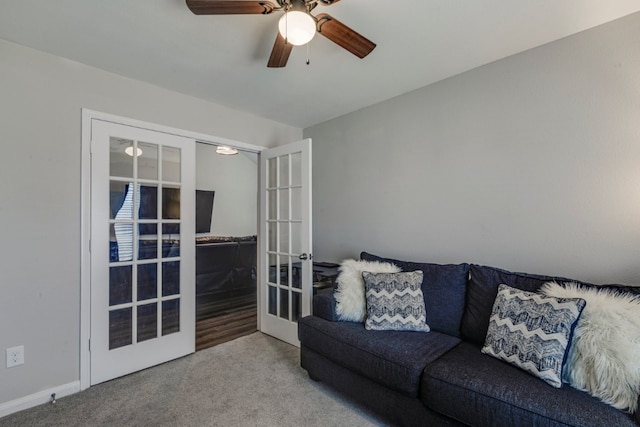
column 441, row 378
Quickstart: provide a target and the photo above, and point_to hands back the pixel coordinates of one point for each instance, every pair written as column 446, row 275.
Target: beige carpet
column 255, row 380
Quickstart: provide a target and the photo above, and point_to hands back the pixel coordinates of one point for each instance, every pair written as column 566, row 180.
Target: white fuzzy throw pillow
column 604, row 357
column 351, row 303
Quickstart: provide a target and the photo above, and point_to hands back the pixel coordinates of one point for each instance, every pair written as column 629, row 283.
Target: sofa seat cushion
column 394, row 359
column 479, row 390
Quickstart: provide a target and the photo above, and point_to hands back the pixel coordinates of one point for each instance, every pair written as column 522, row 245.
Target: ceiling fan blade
column 280, row 53
column 328, row 2
column 344, row 36
column 215, row 7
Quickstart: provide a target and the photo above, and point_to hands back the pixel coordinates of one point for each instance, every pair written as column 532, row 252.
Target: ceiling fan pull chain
column 308, row 54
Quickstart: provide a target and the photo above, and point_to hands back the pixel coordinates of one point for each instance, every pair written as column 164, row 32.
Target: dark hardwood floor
column 219, row 321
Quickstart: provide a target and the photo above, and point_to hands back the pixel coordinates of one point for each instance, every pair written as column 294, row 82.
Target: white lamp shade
column 297, row 27
column 227, row 151
column 129, row 151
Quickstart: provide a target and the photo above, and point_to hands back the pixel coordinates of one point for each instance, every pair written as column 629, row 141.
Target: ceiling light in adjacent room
column 227, row 151
column 129, row 151
column 297, row 27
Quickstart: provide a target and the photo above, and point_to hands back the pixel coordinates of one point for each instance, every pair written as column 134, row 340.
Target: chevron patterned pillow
column 395, row 302
column 532, row 331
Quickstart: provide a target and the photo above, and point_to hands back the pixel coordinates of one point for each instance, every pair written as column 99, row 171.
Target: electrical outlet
column 15, row 356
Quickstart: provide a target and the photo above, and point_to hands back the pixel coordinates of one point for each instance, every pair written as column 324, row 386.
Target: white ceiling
column 223, row 59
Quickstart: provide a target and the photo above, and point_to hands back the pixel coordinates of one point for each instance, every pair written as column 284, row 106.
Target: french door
column 286, row 267
column 142, row 249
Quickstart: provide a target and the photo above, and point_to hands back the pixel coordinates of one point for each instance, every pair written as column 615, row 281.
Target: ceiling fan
column 296, row 27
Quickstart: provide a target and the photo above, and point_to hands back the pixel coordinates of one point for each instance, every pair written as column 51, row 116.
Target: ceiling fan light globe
column 297, row 27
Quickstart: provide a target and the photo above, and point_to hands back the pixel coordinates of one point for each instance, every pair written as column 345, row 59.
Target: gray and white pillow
column 395, row 302
column 351, row 304
column 532, row 331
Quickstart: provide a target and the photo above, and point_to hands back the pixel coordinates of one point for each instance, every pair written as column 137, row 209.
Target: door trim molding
column 85, row 213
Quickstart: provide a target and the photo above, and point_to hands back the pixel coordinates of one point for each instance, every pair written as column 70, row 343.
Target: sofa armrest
column 324, row 306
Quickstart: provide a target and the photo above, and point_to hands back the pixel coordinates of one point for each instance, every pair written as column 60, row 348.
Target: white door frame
column 85, row 214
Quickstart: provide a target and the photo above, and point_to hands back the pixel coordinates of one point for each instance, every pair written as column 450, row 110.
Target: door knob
column 304, row 257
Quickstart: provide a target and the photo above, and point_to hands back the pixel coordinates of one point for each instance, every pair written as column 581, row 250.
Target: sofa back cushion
column 443, row 287
column 482, row 291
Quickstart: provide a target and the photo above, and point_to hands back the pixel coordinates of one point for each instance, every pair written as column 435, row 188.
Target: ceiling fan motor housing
column 298, row 6
column 303, row 5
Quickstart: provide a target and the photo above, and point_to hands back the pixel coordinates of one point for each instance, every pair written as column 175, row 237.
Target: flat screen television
column 170, row 206
column 204, row 210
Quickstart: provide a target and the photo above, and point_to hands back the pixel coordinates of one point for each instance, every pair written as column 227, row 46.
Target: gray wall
column 41, row 97
column 235, row 181
column 530, row 163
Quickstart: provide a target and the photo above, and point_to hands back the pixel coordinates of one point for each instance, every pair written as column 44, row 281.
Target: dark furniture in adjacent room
column 225, row 273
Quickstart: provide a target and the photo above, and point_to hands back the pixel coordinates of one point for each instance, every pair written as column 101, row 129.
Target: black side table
column 324, row 275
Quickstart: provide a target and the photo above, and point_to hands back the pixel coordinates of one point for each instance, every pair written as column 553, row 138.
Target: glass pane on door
column 147, row 161
column 170, row 278
column 296, row 305
column 148, row 241
column 147, row 321
column 170, row 202
column 144, row 230
column 170, row 316
column 121, row 154
column 148, row 204
column 120, row 328
column 120, row 285
column 147, row 281
column 171, row 164
column 284, row 303
column 170, row 240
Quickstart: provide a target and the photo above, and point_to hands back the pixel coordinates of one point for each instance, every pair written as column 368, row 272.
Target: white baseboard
column 38, row 398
